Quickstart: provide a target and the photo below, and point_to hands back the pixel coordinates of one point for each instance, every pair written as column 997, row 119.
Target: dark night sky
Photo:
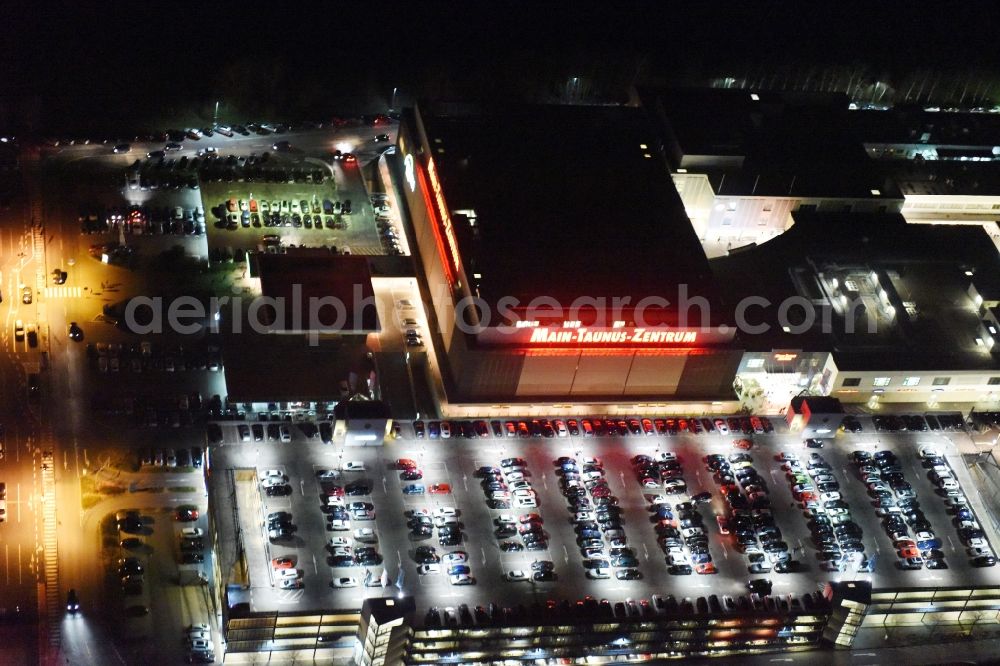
column 110, row 59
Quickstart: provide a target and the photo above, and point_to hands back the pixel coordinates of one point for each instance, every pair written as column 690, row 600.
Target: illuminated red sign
column 618, row 336
column 634, row 337
column 444, row 230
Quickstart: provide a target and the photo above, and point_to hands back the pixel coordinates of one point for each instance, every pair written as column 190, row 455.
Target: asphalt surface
column 85, row 441
column 454, row 462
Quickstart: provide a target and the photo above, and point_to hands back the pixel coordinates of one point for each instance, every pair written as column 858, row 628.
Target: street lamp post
column 392, row 104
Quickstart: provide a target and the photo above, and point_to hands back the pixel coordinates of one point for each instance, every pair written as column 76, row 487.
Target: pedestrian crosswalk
column 63, row 292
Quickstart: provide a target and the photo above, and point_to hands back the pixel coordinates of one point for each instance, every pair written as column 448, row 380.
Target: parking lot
column 454, row 467
column 338, row 212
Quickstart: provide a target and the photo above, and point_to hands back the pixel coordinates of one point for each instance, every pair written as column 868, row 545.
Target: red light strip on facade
column 444, row 216
column 436, row 227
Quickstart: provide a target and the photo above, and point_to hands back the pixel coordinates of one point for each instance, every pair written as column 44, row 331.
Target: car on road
column 353, row 466
column 629, row 574
column 439, row 489
column 462, row 579
column 186, row 514
column 365, row 534
column 283, row 563
column 344, row 582
column 455, row 557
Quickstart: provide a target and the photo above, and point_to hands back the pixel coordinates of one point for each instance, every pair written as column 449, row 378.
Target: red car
column 530, row 518
column 282, row 563
column 439, row 489
column 334, row 491
column 405, row 463
column 705, row 568
column 744, row 444
column 723, row 524
column 412, row 474
column 186, row 514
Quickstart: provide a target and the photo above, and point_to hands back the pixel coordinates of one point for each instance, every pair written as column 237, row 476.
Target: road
column 62, row 421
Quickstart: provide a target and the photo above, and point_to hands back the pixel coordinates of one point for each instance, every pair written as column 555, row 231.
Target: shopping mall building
column 559, row 263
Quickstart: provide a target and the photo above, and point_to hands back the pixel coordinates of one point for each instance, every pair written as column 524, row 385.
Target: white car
column 192, row 532
column 525, row 502
column 200, row 630
column 830, row 496
column 517, row 574
column 462, row 579
column 455, row 557
column 418, row 512
column 353, row 466
column 286, row 573
column 344, row 582
column 596, row 462
column 365, row 534
column 665, row 456
column 272, row 481
column 199, row 644
column 519, row 485
column 678, row 558
column 338, row 542
column 691, row 531
column 446, row 511
column 445, row 430
column 949, row 484
column 327, row 474
column 340, row 525
column 977, row 542
column 598, row 574
column 272, row 473
column 590, row 476
column 441, row 521
column 524, row 492
column 504, row 518
column 929, row 451
column 660, row 499
column 343, row 551
column 583, row 516
column 515, row 475
column 290, row 583
column 432, row 568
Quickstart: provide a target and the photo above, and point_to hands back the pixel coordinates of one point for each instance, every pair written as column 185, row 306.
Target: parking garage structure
column 567, row 209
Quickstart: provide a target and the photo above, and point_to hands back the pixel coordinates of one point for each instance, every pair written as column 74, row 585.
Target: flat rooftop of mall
column 564, row 202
